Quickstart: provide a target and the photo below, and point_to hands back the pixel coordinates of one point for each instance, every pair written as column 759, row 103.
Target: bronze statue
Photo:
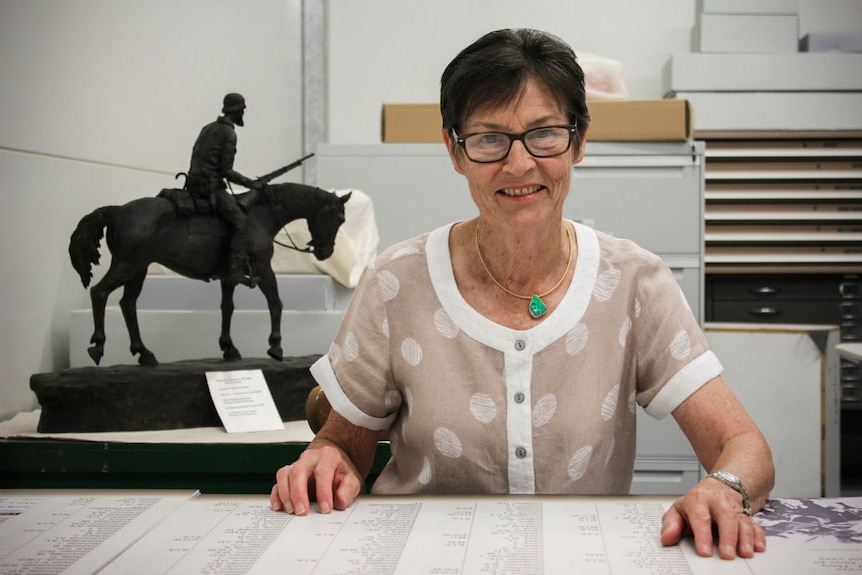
column 211, row 165
column 198, row 246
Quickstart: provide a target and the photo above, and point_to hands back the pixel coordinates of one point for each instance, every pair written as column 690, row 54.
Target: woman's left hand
column 708, row 504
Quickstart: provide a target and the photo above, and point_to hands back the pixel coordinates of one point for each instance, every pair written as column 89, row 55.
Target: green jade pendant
column 537, row 307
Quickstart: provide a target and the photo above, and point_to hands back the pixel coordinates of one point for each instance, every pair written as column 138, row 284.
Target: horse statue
column 149, row 230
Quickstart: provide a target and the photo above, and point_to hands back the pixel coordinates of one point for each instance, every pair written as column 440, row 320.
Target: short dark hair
column 493, row 71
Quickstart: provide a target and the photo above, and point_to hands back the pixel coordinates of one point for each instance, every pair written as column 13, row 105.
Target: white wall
column 100, row 101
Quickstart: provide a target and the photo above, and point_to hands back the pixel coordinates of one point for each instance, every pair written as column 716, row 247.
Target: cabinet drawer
column 850, row 310
column 779, row 287
column 641, row 204
column 674, row 476
column 807, row 312
column 851, row 330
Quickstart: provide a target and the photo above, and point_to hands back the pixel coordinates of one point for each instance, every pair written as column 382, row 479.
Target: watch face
column 727, row 477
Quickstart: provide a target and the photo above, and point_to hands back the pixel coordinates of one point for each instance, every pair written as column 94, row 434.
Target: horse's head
column 324, row 223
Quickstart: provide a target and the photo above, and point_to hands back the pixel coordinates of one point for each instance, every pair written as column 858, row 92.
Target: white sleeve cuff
column 685, row 382
column 323, row 373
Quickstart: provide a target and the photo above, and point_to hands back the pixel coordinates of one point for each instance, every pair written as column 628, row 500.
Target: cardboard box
column 612, row 121
column 412, row 123
column 639, row 120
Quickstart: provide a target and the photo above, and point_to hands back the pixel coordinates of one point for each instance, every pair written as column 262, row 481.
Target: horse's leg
column 270, row 290
column 128, row 305
column 98, row 299
column 231, row 353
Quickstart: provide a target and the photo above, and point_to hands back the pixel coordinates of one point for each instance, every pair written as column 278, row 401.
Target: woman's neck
column 523, row 261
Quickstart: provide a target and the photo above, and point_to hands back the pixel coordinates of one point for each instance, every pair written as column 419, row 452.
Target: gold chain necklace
column 537, row 307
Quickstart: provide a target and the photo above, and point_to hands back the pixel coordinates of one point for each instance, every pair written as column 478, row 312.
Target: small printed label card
column 243, row 401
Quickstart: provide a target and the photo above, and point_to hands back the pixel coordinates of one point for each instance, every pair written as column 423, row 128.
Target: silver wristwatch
column 734, row 483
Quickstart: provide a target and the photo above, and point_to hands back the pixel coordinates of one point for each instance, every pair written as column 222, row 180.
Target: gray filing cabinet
column 651, row 193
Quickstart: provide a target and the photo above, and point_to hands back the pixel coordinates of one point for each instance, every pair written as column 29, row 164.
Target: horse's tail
column 85, row 240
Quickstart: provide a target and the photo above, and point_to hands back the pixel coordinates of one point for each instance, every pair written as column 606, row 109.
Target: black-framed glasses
column 544, row 142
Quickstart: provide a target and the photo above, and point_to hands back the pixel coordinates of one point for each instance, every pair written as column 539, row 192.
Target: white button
column 520, row 344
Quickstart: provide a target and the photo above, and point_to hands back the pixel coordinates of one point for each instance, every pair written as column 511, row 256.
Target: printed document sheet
column 76, row 532
column 431, row 535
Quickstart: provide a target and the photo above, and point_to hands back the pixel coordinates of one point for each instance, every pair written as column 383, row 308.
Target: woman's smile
column 521, row 192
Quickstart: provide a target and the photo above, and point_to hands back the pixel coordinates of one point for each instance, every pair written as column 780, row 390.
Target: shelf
column 782, row 202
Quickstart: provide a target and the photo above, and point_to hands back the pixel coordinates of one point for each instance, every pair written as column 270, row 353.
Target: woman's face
column 520, row 190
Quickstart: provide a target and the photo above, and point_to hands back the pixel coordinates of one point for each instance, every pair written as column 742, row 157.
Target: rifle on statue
column 267, row 178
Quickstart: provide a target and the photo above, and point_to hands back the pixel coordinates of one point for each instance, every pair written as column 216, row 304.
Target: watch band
column 734, row 483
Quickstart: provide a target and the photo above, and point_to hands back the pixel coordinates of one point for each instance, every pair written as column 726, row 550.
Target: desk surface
column 177, row 532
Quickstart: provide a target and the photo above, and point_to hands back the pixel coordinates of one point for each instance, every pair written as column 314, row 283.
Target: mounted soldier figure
column 211, row 165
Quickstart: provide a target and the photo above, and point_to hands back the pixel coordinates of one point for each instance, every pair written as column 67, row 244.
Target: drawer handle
column 850, row 290
column 765, row 290
column 764, row 312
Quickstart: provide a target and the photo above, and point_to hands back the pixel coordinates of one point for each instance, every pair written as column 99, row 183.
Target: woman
column 506, row 353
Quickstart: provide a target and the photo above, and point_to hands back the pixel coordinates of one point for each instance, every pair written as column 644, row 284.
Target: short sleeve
column 673, row 356
column 356, row 373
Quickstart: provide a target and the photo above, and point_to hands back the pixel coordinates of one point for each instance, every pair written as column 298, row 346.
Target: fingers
column 744, row 537
column 280, row 496
column 685, row 517
column 290, row 492
column 295, row 491
column 349, row 487
column 710, row 516
column 759, row 537
column 672, row 526
column 700, row 520
column 324, row 482
column 323, row 474
column 336, row 479
column 728, row 523
column 751, row 538
column 274, row 500
column 739, row 535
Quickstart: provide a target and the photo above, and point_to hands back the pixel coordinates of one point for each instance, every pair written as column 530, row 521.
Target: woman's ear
column 582, row 144
column 452, row 148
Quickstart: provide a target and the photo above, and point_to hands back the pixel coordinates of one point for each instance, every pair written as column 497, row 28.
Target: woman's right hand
column 323, row 472
column 331, row 470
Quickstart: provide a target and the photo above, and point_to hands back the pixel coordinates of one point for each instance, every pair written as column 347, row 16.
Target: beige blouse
column 475, row 407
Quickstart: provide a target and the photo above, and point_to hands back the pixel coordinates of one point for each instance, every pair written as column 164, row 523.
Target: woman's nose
column 519, row 159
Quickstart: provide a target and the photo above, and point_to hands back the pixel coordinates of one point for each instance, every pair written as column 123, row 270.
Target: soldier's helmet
column 233, row 102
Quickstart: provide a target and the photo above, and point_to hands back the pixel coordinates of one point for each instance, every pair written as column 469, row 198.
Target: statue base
column 170, row 396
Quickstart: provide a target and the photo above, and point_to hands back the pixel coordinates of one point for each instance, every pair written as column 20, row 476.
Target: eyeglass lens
column 540, row 142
